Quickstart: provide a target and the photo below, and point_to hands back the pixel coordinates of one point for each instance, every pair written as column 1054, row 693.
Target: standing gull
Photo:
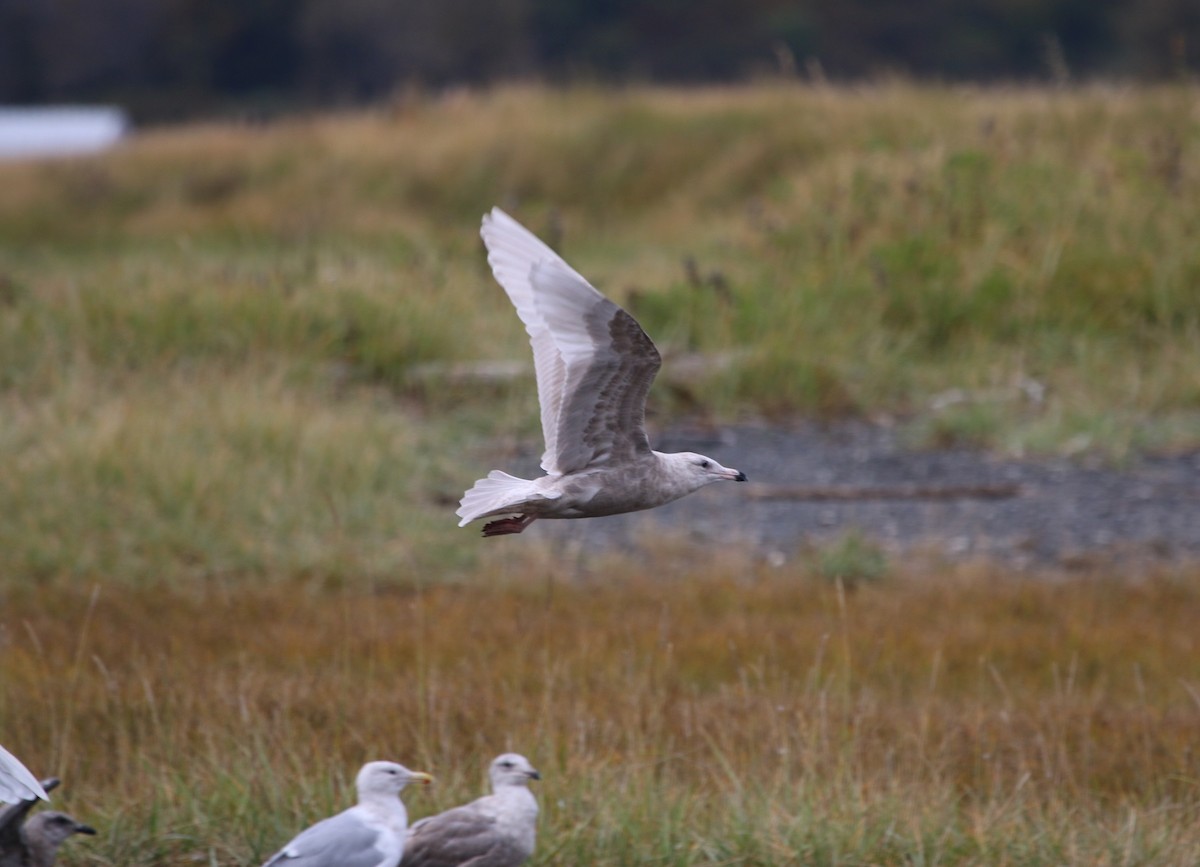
column 369, row 834
column 16, row 782
column 594, row 365
column 497, row 830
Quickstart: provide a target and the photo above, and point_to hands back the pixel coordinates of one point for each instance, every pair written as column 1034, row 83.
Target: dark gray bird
column 594, row 365
column 34, row 842
column 497, row 830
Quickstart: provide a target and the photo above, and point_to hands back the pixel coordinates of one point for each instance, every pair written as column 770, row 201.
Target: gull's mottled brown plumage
column 497, row 830
column 594, row 366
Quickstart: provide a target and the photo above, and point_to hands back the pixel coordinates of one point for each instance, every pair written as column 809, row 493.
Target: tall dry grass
column 723, row 713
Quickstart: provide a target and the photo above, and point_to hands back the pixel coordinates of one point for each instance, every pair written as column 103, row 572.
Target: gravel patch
column 1040, row 511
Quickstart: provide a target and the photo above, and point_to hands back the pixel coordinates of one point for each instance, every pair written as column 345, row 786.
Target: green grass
column 210, row 306
column 874, row 246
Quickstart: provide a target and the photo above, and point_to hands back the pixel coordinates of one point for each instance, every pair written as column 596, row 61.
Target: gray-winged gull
column 594, row 365
column 497, row 830
column 369, row 834
column 16, row 782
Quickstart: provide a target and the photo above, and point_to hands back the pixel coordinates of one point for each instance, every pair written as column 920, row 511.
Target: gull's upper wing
column 594, row 363
column 461, row 836
column 344, row 840
column 16, row 782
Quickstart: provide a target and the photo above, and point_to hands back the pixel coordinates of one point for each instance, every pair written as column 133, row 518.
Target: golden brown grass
column 727, row 713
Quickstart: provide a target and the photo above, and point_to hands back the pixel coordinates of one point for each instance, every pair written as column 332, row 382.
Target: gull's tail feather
column 498, row 494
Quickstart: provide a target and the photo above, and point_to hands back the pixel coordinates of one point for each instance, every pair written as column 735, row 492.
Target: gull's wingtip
column 492, row 221
column 494, row 214
column 18, row 780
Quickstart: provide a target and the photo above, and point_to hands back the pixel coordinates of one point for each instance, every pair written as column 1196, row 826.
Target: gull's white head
column 511, row 769
column 695, row 471
column 387, row 779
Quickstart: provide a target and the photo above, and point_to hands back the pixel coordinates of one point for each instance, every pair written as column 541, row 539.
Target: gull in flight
column 594, row 365
column 369, row 834
column 497, row 830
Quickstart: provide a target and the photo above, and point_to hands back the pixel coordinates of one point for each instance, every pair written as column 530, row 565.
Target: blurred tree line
column 172, row 58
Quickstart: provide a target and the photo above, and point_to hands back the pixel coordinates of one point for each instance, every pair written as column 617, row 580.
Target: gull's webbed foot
column 507, row 526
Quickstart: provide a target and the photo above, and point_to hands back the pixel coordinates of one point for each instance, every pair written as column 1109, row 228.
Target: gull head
column 52, row 828
column 387, row 778
column 698, row 470
column 512, row 769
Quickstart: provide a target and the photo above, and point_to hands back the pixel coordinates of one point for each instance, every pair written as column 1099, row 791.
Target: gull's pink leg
column 507, row 526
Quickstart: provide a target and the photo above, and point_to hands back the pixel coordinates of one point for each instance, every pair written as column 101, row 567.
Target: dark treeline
column 171, row 58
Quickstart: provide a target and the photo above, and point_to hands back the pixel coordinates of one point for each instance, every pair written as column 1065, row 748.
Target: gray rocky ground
column 1033, row 512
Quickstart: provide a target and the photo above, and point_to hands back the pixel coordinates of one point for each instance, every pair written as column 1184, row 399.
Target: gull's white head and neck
column 512, row 769
column 379, row 785
column 687, row 472
column 514, row 806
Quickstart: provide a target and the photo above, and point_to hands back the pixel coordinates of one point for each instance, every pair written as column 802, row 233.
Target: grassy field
column 213, row 338
column 229, row 571
column 726, row 714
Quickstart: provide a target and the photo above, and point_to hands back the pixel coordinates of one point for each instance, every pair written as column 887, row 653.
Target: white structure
column 59, row 130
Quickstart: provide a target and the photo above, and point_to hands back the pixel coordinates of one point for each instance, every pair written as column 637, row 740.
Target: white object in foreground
column 594, row 365
column 369, row 834
column 16, row 782
column 497, row 830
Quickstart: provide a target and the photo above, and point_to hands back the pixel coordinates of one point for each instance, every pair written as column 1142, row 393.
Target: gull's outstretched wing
column 594, row 363
column 16, row 782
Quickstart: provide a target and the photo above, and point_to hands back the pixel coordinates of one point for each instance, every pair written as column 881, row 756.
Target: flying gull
column 369, row 834
column 497, row 830
column 594, row 365
column 16, row 782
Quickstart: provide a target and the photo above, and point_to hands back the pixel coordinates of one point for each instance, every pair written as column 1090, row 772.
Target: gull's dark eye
column 506, row 764
column 705, row 464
